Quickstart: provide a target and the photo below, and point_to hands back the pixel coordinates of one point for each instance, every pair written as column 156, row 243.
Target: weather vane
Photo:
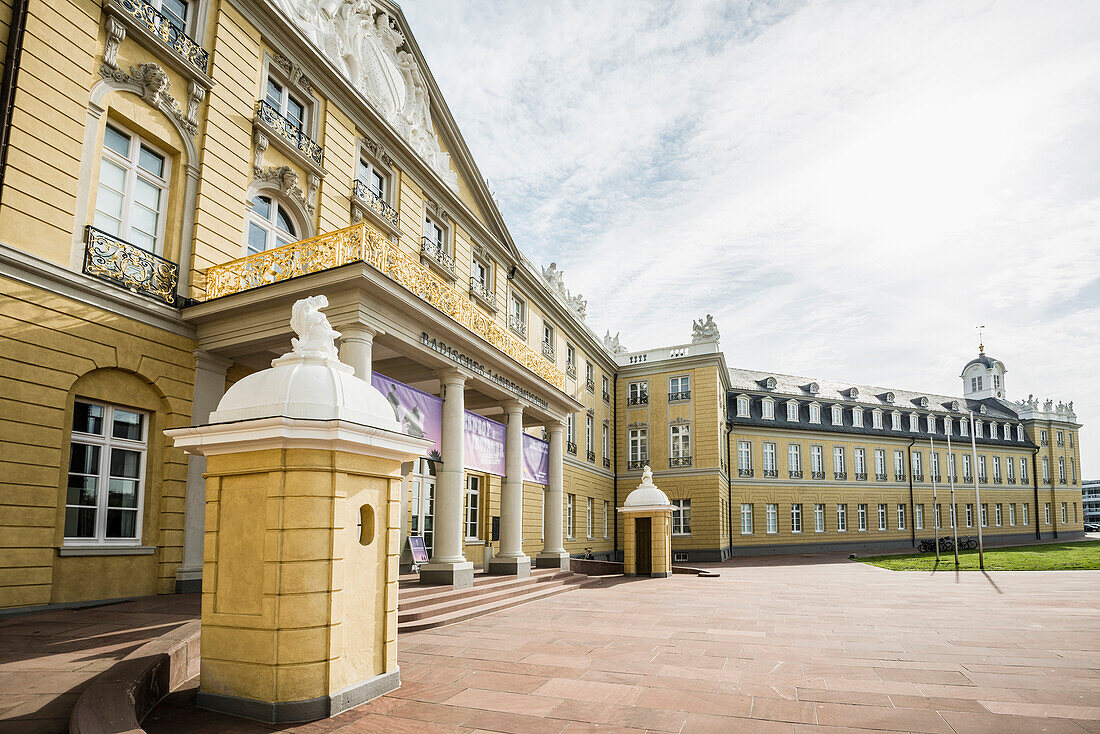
column 981, row 345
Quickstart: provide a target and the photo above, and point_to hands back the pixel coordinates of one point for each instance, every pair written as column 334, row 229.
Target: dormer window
column 993, row 429
column 889, row 397
column 876, row 419
column 895, row 420
column 792, row 412
column 981, row 409
column 947, row 425
column 964, row 427
column 853, row 393
column 857, row 417
column 1007, row 432
column 743, row 403
column 914, row 422
column 767, row 409
column 978, row 429
column 955, row 405
column 838, row 416
column 769, row 383
column 930, row 421
column 815, row 413
column 924, row 402
column 814, row 388
column 1019, row 432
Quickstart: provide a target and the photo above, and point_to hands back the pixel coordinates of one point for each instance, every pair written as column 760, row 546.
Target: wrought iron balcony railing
column 571, row 370
column 1062, row 480
column 771, row 474
column 169, row 34
column 679, row 461
column 880, row 477
column 817, row 475
column 289, row 131
column 953, row 478
column 983, row 479
column 998, row 480
column 571, row 447
column 438, row 254
column 592, row 456
column 1046, row 480
column 517, row 325
column 937, row 478
column 637, row 463
column 374, row 202
column 899, row 477
column 840, row 475
column 591, row 385
column 479, row 291
column 682, row 395
column 743, row 473
column 795, row 474
column 606, row 462
column 606, row 397
column 362, row 242
column 918, row 477
column 1012, row 480
column 970, row 480
column 108, row 258
column 548, row 351
column 642, row 399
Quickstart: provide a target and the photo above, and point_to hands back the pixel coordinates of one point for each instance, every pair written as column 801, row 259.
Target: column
column 553, row 554
column 448, row 565
column 209, row 387
column 357, row 347
column 511, row 560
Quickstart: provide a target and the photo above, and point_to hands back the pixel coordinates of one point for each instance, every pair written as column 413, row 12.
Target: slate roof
column 981, row 359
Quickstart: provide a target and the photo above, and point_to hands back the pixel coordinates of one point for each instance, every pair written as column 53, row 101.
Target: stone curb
column 610, row 568
column 118, row 699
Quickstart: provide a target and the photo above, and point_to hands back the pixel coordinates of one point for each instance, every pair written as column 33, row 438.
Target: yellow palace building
column 177, row 173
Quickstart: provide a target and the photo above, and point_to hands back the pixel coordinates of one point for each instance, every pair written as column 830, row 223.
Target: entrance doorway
column 422, row 502
column 643, row 547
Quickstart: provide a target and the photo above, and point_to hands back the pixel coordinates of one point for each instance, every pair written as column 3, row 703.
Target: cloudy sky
column 850, row 188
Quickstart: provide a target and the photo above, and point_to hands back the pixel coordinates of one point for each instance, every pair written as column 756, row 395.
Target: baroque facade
column 177, row 173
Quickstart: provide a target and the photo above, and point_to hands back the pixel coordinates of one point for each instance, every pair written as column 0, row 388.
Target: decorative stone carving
column 313, row 182
column 195, row 95
column 287, row 180
column 365, row 45
column 612, row 344
column 116, row 33
column 153, row 83
column 1048, row 405
column 433, row 206
column 554, row 278
column 704, row 331
column 293, row 71
column 260, row 143
column 378, row 151
column 315, row 333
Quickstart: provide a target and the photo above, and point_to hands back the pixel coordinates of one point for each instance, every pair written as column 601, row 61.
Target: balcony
column 642, row 399
column 771, row 474
column 1012, row 480
column 363, row 243
column 918, row 477
column 840, row 475
column 817, row 475
column 683, row 395
column 983, row 479
column 571, row 447
column 571, row 370
column 289, row 133
column 998, row 480
column 861, row 476
column 591, row 385
column 548, row 351
column 372, row 202
column 880, row 477
column 744, row 473
column 970, row 480
column 794, row 474
column 637, row 463
column 679, row 461
column 606, row 462
column 151, row 23
column 899, row 476
column 116, row 261
column 606, row 396
column 1062, row 480
column 438, row 257
column 480, row 292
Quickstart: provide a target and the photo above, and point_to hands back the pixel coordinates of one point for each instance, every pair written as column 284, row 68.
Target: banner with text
column 536, row 460
column 420, row 414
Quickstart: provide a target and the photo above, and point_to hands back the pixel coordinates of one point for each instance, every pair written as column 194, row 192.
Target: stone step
column 443, row 602
column 472, row 608
column 420, row 596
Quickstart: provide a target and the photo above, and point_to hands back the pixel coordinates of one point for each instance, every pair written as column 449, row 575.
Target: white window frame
column 570, row 516
column 792, row 411
column 882, row 516
column 857, row 417
column 895, row 421
column 815, row 413
column 819, row 517
column 899, row 462
column 998, row 515
column 744, row 455
column 588, row 516
column 771, row 514
column 901, row 517
column 130, row 164
column 272, row 74
column 372, row 170
column 842, row 518
column 743, row 406
column 105, row 443
column 918, row 511
column 770, row 453
column 767, row 409
column 1023, row 513
column 1012, row 514
column 839, row 460
column 638, row 444
column 860, row 459
column 876, row 418
column 837, row 415
column 746, row 518
column 794, row 457
column 914, row 423
column 472, row 524
column 679, row 384
column 796, row 518
column 679, row 441
column 606, row 515
column 681, row 517
column 861, row 517
column 880, row 462
column 817, row 458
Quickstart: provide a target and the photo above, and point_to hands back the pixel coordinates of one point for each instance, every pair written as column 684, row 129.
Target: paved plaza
column 784, row 644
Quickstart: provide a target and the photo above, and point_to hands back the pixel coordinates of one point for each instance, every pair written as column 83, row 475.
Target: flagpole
column 977, row 493
column 953, row 514
column 935, row 530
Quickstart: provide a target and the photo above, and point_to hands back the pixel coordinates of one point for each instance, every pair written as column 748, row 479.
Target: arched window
column 269, row 225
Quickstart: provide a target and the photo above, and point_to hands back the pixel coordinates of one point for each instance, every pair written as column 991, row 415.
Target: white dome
column 306, row 385
column 647, row 494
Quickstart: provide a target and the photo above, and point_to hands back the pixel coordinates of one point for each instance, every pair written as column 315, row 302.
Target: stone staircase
column 424, row 607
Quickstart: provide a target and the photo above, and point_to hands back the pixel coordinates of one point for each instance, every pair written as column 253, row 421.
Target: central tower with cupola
column 983, row 377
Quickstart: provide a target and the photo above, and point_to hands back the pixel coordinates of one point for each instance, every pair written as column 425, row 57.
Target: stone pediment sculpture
column 553, row 276
column 704, row 330
column 364, row 43
column 612, row 343
column 315, row 334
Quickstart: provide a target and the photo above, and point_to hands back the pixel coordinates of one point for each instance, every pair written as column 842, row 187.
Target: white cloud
column 849, row 187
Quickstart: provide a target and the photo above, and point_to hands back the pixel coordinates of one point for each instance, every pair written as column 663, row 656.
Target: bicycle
column 588, row 555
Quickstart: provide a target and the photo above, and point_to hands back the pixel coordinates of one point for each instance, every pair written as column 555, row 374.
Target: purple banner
column 484, row 442
column 420, row 414
column 536, row 460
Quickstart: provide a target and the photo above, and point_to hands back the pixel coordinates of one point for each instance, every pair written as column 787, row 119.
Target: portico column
column 448, row 565
column 209, row 387
column 553, row 554
column 511, row 560
column 357, row 347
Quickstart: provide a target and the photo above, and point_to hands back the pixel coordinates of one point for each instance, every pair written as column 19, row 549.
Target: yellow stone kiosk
column 301, row 548
column 647, row 526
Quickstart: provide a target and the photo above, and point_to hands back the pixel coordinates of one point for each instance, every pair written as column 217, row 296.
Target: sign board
column 416, row 545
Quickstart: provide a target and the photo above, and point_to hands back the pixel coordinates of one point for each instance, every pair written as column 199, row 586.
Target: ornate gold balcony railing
column 362, row 242
column 137, row 270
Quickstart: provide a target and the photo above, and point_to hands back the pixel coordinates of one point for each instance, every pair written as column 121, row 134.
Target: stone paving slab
column 790, row 644
column 48, row 658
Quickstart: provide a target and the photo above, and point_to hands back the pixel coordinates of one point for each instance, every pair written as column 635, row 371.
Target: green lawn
column 1048, row 557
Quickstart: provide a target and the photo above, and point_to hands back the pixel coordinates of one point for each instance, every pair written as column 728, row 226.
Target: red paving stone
column 794, row 644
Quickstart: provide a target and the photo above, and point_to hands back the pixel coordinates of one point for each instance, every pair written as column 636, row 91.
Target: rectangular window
column 981, row 468
column 680, row 441
column 678, row 385
column 937, row 514
column 819, row 518
column 964, row 428
column 746, row 519
column 606, row 516
column 947, row 423
column 769, row 459
column 857, row 417
column 792, row 412
column 953, row 512
column 590, row 376
column 588, row 518
column 589, row 433
column 1012, row 513
column 548, row 337
column 880, row 464
column 1043, row 438
column 606, row 388
column 1062, row 469
column 817, row 462
column 374, row 179
column 132, row 195
column 985, row 515
column 919, row 517
column 106, row 477
column 838, row 416
column 930, row 423
column 606, row 442
column 895, row 421
column 996, row 468
column 967, row 474
column 876, row 419
column 1023, row 472
column 571, row 430
column 842, row 518
column 1023, row 512
column 1046, row 470
column 773, row 518
column 286, row 104
column 473, row 506
column 882, row 517
column 838, row 460
column 742, row 407
column 796, row 518
column 901, row 517
column 681, row 517
column 518, row 315
column 571, row 356
column 918, row 465
column 815, row 413
column 767, row 409
column 639, row 444
column 1064, row 518
column 969, row 515
column 570, row 502
column 175, row 12
column 638, row 393
column 997, row 514
column 935, row 457
column 861, row 517
column 744, row 456
column 794, row 457
column 1010, row 470
column 914, row 422
column 861, row 463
